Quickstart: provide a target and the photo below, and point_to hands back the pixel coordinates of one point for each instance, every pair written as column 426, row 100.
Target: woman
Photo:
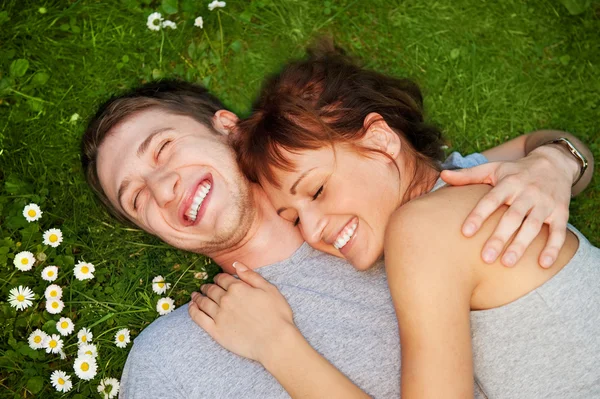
column 345, row 154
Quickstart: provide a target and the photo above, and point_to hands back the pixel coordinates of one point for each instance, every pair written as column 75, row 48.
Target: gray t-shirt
column 346, row 315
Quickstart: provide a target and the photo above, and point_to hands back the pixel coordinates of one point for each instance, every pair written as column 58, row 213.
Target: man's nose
column 164, row 187
column 312, row 225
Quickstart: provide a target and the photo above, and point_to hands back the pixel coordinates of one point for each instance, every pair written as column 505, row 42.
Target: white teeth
column 345, row 236
column 201, row 193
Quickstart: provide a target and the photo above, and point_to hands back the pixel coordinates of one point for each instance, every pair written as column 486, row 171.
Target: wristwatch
column 575, row 152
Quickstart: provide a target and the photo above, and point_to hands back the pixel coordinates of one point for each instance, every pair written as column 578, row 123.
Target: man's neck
column 270, row 238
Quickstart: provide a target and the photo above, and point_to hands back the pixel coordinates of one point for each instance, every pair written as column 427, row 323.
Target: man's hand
column 538, row 190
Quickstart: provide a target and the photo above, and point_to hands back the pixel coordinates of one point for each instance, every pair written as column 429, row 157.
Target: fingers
column 200, row 318
column 487, row 205
column 214, row 292
column 225, row 280
column 482, row 174
column 250, row 276
column 529, row 230
column 556, row 240
column 206, row 305
column 510, row 222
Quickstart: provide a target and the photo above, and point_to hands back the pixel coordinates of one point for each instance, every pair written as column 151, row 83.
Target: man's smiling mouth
column 199, row 196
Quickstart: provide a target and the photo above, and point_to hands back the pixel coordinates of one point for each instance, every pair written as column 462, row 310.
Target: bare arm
column 522, row 146
column 431, row 294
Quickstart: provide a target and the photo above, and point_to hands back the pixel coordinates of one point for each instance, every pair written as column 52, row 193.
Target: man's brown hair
column 325, row 99
column 177, row 97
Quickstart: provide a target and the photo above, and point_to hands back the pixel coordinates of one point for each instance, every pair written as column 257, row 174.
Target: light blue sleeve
column 457, row 161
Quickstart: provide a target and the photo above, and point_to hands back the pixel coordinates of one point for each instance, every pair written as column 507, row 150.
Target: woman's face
column 339, row 198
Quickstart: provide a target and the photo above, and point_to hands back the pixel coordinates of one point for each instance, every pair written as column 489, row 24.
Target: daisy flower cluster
column 85, row 365
column 156, row 22
column 164, row 305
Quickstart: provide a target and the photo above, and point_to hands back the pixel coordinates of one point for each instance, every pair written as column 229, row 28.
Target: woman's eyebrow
column 302, row 176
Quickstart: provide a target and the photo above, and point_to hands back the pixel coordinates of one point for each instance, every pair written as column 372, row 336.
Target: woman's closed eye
column 314, row 197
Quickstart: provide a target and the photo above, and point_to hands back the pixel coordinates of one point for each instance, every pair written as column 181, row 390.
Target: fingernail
column 469, row 229
column 547, row 261
column 239, row 267
column 509, row 259
column 489, row 255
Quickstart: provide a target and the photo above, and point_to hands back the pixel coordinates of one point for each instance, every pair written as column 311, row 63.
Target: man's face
column 176, row 179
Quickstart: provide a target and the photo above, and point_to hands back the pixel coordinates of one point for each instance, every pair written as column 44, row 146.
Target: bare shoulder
column 424, row 236
column 437, row 215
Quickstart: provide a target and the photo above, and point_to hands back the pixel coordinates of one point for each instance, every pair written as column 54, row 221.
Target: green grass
column 491, row 70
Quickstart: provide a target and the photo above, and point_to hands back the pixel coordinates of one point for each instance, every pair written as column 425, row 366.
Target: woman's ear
column 224, row 121
column 380, row 136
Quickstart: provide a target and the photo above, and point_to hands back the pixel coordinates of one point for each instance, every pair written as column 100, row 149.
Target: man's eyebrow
column 302, row 176
column 146, row 143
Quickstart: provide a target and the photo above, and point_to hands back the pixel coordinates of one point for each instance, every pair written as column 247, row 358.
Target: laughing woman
column 344, row 153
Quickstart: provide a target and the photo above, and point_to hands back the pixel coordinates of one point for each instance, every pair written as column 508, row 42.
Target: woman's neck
column 423, row 177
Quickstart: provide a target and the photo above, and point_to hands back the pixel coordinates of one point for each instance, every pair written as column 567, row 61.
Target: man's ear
column 380, row 136
column 224, row 121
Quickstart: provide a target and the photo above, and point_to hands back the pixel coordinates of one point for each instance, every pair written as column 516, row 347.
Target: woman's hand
column 538, row 190
column 247, row 316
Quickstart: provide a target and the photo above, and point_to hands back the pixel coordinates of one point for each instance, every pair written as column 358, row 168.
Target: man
column 159, row 158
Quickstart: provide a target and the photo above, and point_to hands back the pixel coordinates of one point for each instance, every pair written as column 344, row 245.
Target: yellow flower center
column 121, row 338
column 53, row 238
column 53, row 293
column 89, row 353
column 85, row 269
column 24, row 261
column 53, row 344
column 160, row 285
column 20, row 298
column 84, row 339
column 50, row 273
column 31, row 213
column 37, row 339
column 64, row 324
column 165, row 306
column 61, row 381
column 85, row 366
column 55, row 305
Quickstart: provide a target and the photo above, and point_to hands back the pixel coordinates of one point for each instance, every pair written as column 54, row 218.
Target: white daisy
column 85, row 367
column 109, row 387
column 20, row 297
column 50, row 273
column 199, row 22
column 32, row 212
column 24, row 261
column 65, row 326
column 87, row 349
column 154, row 21
column 53, row 343
column 53, row 237
column 36, row 339
column 169, row 24
column 122, row 338
column 201, row 275
column 54, row 306
column 84, row 336
column 53, row 292
column 84, row 270
column 62, row 354
column 216, row 4
column 159, row 285
column 61, row 381
column 165, row 305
